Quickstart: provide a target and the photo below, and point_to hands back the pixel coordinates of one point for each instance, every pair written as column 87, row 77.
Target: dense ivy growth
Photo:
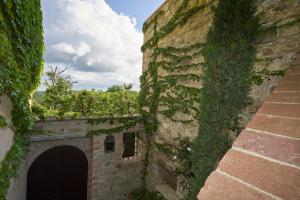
column 124, row 124
column 21, row 59
column 180, row 153
column 3, row 122
column 229, row 59
column 168, row 95
column 146, row 195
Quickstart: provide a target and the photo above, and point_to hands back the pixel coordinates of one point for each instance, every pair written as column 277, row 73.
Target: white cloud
column 99, row 46
column 80, row 51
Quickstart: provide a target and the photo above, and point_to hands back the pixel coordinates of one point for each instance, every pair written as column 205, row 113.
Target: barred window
column 130, row 145
column 109, row 144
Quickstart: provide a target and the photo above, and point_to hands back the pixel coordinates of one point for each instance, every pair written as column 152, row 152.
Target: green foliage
column 117, row 103
column 118, row 88
column 115, row 88
column 71, row 115
column 21, row 60
column 259, row 77
column 3, row 122
column 179, row 18
column 168, row 91
column 183, row 154
column 39, row 111
column 60, row 101
column 90, row 104
column 85, row 102
column 125, row 124
column 58, row 95
column 229, row 59
column 166, row 149
column 146, row 195
column 180, row 153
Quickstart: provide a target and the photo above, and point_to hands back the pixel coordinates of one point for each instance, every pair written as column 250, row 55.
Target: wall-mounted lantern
column 109, row 144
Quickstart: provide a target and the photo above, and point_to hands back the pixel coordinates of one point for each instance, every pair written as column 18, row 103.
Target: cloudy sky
column 98, row 41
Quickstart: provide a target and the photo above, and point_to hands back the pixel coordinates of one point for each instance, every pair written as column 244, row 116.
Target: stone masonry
column 110, row 177
column 278, row 43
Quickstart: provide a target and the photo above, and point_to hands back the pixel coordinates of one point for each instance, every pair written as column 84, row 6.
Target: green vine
column 149, row 100
column 180, row 17
column 169, row 95
column 3, row 122
column 166, row 149
column 127, row 123
column 260, row 76
column 183, row 154
column 21, row 61
column 146, row 25
column 180, row 153
column 229, row 59
column 229, row 55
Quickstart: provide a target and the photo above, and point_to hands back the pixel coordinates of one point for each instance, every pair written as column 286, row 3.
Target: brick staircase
column 264, row 162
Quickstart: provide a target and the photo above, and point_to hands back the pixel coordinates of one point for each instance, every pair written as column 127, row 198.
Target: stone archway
column 60, row 173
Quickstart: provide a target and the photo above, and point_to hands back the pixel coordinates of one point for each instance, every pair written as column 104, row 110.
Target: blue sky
column 140, row 9
column 97, row 40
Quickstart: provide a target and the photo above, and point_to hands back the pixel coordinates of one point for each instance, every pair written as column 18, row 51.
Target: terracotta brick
column 282, row 87
column 280, row 180
column 285, row 110
column 287, row 150
column 292, row 97
column 276, row 125
column 219, row 187
column 297, row 60
column 295, row 69
column 291, row 78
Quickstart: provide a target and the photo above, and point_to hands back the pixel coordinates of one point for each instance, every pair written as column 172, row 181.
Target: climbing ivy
column 21, row 61
column 260, row 76
column 229, row 59
column 181, row 15
column 181, row 152
column 3, row 122
column 229, row 55
column 126, row 123
column 168, row 95
column 146, row 195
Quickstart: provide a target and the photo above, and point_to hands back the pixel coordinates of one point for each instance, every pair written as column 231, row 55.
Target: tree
column 112, row 103
column 119, row 88
column 127, row 86
column 60, row 101
column 115, row 88
column 58, row 95
column 85, row 102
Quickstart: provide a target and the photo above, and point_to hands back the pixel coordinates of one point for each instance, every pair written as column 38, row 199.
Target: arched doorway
column 59, row 173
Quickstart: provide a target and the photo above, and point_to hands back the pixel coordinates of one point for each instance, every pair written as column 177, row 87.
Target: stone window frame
column 108, row 138
column 136, row 146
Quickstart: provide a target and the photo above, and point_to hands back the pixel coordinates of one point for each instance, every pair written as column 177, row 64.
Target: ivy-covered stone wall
column 6, row 133
column 278, row 42
column 172, row 45
column 21, row 64
column 184, row 69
